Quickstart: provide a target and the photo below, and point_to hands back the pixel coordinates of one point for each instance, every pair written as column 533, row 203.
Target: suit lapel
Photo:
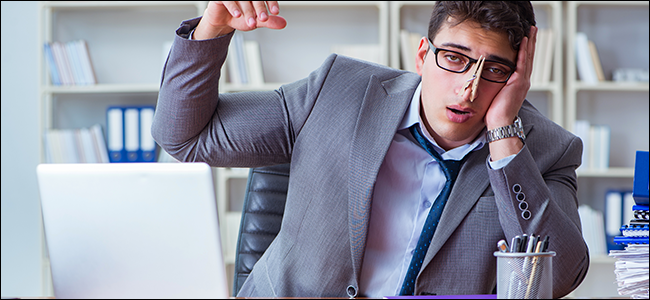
column 470, row 185
column 382, row 110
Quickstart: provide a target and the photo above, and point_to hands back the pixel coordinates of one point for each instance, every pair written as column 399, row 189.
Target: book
column 75, row 63
column 586, row 70
column 409, row 44
column 233, row 60
column 51, row 65
column 86, row 63
column 596, row 61
column 66, row 75
column 548, row 51
column 538, row 64
column 581, row 130
column 254, row 62
column 80, row 145
column 70, row 63
column 592, row 223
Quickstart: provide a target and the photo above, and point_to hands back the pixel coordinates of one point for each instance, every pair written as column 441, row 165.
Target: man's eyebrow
column 490, row 57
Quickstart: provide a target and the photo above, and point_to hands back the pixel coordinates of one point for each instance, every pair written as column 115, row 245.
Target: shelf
column 602, row 259
column 102, row 88
column 539, row 87
column 117, row 4
column 613, row 86
column 607, row 173
column 612, row 3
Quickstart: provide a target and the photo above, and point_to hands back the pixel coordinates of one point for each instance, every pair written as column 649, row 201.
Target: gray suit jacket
column 335, row 126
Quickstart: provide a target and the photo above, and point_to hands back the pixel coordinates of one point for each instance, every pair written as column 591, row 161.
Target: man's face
column 452, row 119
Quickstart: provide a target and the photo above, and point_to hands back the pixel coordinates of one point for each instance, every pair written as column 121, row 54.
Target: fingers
column 248, row 15
column 531, row 49
column 527, row 52
column 273, row 6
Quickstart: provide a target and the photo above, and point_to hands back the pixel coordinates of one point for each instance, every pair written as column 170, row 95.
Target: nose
column 469, row 88
column 468, row 91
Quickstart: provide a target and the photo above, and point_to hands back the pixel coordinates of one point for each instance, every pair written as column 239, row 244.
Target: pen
column 503, row 246
column 524, row 243
column 545, row 244
column 534, row 277
column 516, row 241
column 532, row 242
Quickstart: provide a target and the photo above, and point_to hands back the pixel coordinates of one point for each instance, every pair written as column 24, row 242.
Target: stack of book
column 85, row 145
column 244, row 62
column 590, row 69
column 632, row 262
column 69, row 63
column 596, row 144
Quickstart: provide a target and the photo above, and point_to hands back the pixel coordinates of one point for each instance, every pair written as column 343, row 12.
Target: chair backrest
column 266, row 194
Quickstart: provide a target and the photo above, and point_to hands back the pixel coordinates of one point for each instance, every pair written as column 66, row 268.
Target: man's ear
column 422, row 53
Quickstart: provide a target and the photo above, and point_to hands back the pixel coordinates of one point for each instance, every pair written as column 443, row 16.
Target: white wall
column 21, row 221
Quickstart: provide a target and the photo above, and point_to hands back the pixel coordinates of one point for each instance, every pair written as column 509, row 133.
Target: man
column 369, row 148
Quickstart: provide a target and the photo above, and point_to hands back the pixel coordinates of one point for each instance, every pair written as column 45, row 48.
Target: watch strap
column 512, row 130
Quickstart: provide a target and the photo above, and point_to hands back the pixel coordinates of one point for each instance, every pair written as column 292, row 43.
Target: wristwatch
column 516, row 129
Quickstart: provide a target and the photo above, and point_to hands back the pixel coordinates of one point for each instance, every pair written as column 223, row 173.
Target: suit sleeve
column 544, row 202
column 194, row 122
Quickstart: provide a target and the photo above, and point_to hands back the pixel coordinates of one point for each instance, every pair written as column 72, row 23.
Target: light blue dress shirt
column 408, row 182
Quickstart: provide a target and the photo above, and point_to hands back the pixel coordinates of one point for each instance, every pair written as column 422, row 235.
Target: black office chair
column 266, row 194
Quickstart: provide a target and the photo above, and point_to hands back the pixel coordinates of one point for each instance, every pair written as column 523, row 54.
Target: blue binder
column 115, row 132
column 147, row 144
column 129, row 134
column 641, row 190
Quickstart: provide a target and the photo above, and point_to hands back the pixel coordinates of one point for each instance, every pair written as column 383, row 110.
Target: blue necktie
column 451, row 169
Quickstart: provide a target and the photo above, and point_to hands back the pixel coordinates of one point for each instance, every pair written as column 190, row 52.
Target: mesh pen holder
column 524, row 275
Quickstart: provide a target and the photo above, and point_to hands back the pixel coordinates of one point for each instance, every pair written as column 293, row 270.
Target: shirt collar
column 412, row 116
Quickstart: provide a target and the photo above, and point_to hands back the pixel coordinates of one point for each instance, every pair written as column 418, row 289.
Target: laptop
column 132, row 230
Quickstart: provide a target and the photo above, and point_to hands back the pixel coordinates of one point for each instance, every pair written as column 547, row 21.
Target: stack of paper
column 632, row 270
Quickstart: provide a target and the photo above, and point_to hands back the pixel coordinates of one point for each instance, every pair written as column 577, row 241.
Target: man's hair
column 511, row 17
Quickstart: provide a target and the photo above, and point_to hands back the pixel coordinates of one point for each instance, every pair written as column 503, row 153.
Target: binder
column 129, row 131
column 147, row 143
column 115, row 125
column 640, row 186
column 131, row 134
column 615, row 213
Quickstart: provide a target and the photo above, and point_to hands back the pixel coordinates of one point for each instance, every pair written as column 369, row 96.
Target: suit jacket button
column 352, row 291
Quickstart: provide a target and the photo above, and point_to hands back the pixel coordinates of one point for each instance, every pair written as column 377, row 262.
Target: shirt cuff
column 496, row 165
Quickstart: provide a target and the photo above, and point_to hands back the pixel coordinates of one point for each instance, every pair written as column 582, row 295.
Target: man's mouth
column 460, row 112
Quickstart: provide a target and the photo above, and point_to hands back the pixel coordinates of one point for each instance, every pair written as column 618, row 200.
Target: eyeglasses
column 456, row 62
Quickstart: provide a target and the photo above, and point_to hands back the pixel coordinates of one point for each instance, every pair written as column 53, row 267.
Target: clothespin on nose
column 475, row 73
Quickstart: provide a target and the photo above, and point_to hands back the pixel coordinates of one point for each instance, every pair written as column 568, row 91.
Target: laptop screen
column 132, row 230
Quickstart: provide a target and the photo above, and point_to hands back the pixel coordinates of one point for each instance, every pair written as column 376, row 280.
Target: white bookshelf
column 619, row 30
column 125, row 41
